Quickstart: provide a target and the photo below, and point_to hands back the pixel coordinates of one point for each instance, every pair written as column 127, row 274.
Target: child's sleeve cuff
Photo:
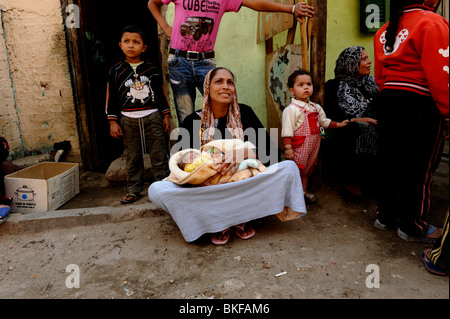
column 333, row 124
column 287, row 140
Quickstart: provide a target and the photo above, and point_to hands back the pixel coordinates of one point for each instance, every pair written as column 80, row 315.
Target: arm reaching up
column 301, row 9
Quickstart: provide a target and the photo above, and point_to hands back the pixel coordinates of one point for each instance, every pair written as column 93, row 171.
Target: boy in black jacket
column 138, row 111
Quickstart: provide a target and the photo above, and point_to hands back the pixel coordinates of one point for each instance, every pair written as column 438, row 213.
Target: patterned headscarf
column 354, row 95
column 353, row 90
column 208, row 123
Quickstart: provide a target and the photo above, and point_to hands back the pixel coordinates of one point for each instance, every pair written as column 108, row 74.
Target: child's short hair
column 293, row 76
column 134, row 29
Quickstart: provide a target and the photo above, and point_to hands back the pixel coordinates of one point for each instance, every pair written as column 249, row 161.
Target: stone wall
column 36, row 101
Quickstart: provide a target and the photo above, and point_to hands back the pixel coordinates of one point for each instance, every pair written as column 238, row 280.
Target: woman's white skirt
column 211, row 209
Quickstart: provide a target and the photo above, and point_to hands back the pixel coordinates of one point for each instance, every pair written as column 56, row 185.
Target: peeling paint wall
column 36, row 106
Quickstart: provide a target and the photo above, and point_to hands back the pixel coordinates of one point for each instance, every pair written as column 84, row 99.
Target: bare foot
column 436, row 234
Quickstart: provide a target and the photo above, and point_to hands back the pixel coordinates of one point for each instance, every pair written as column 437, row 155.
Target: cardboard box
column 42, row 187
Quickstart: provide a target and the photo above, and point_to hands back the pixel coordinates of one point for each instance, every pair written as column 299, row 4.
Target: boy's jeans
column 185, row 76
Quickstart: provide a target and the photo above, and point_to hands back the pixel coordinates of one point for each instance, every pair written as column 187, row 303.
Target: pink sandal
column 221, row 238
column 240, row 229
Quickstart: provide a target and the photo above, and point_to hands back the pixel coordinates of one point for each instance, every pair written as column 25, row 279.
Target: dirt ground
column 333, row 252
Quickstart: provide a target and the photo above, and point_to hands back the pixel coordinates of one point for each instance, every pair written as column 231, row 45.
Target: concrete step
column 64, row 219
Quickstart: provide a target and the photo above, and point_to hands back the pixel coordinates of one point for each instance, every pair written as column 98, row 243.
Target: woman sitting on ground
column 217, row 208
column 353, row 94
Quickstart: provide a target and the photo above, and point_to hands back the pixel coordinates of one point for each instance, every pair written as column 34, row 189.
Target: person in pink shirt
column 193, row 36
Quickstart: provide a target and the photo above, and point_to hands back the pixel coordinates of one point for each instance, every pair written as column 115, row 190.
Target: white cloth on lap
column 211, row 209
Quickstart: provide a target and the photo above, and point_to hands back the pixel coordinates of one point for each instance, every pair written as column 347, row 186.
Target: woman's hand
column 229, row 163
column 367, row 120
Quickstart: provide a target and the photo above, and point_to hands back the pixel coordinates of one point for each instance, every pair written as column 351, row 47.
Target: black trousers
column 411, row 137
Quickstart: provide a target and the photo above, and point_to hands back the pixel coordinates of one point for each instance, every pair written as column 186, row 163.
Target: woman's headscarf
column 354, row 92
column 354, row 95
column 208, row 123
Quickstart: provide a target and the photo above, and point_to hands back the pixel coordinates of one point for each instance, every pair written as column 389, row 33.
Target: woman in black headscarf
column 350, row 152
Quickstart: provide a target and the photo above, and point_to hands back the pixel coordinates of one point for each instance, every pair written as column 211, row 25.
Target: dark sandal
column 429, row 265
column 130, row 198
column 310, row 198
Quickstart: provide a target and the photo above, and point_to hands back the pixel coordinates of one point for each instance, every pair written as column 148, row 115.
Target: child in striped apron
column 301, row 123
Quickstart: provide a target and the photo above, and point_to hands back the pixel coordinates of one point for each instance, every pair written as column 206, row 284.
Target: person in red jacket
column 411, row 70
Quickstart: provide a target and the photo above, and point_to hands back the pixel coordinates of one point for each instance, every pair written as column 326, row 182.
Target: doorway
column 92, row 49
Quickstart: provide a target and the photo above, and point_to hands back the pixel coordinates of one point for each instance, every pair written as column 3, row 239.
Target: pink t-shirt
column 196, row 22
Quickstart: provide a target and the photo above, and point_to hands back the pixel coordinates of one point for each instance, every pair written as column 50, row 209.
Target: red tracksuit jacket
column 419, row 61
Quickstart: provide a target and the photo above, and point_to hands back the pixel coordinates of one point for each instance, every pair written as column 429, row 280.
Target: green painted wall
column 343, row 31
column 237, row 50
